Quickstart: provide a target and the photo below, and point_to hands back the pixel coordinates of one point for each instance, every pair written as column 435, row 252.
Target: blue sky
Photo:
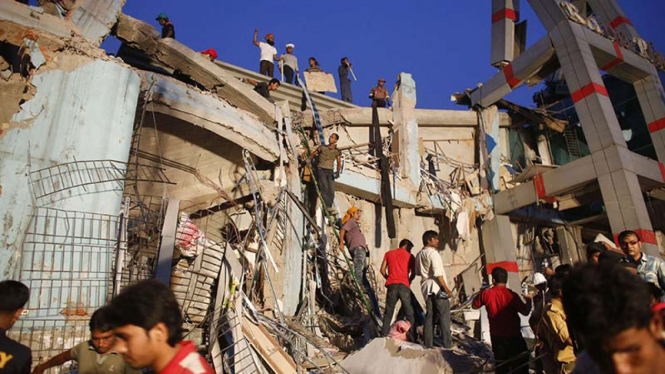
column 445, row 45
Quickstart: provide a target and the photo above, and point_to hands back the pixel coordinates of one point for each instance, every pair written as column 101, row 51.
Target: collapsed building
column 160, row 163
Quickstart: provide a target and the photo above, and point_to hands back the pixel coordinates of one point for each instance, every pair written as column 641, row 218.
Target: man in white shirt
column 268, row 54
column 435, row 289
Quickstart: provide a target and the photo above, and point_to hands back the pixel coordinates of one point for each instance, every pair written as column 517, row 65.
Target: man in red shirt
column 399, row 269
column 510, row 352
column 148, row 326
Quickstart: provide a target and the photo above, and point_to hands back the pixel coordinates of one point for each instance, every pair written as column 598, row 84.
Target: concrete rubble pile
column 159, row 163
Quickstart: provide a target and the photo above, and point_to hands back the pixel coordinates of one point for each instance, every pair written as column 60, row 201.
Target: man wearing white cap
column 289, row 63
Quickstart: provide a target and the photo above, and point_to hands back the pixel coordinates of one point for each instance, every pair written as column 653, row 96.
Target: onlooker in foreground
column 434, row 286
column 379, row 95
column 503, row 305
column 399, row 269
column 355, row 241
column 289, row 64
column 96, row 356
column 593, row 251
column 325, row 170
column 268, row 54
column 148, row 324
column 15, row 358
column 543, row 353
column 168, row 30
column 649, row 268
column 609, row 310
column 345, row 80
column 556, row 330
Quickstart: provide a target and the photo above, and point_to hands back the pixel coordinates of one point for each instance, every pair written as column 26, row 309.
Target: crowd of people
column 288, row 65
column 141, row 328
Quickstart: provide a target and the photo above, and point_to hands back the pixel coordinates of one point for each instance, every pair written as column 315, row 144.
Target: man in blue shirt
column 649, row 268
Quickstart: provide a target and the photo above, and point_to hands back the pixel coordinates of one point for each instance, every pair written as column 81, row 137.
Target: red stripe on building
column 657, row 125
column 510, row 266
column 616, row 61
column 588, row 90
column 618, row 21
column 503, row 14
column 510, row 76
column 647, row 236
column 540, row 186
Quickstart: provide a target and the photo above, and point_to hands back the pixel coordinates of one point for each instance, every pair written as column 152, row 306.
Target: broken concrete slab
column 95, row 18
column 178, row 56
column 386, row 355
column 18, row 22
column 175, row 99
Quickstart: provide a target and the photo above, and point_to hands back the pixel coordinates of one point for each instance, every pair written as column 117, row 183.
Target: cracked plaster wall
column 85, row 112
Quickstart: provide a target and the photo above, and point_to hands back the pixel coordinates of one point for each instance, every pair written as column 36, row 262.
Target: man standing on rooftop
column 289, row 63
column 268, row 54
column 379, row 95
column 345, row 80
column 168, row 30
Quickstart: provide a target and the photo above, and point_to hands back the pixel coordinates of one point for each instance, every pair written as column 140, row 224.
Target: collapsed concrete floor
column 117, row 169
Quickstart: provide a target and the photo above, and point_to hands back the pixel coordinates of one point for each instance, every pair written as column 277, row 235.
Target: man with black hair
column 649, row 268
column 503, row 305
column 593, row 251
column 95, row 356
column 434, row 286
column 15, row 358
column 609, row 310
column 555, row 329
column 399, row 269
column 262, row 88
column 147, row 322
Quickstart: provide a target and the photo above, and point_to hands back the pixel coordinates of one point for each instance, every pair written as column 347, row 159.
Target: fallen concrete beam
column 425, row 117
column 617, row 61
column 173, row 98
column 176, row 55
column 354, row 182
column 95, row 18
column 551, row 183
column 525, row 66
column 19, row 22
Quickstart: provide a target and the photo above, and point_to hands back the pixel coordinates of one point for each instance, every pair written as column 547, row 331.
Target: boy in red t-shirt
column 148, row 326
column 399, row 269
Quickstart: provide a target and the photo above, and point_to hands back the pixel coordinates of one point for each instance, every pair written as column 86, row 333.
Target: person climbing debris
column 325, row 175
column 379, row 95
column 351, row 234
column 263, row 88
column 345, row 80
column 168, row 30
column 289, row 64
column 211, row 53
column 268, row 53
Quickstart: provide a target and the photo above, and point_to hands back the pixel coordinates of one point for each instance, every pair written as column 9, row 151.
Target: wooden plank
column 268, row 348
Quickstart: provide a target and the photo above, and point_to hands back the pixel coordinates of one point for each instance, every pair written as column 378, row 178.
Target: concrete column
column 500, row 250
column 505, row 13
column 620, row 188
column 406, row 128
column 651, row 96
column 610, row 13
